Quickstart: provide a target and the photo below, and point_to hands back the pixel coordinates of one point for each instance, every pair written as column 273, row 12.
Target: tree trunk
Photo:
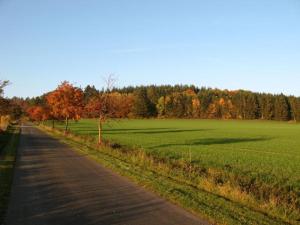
column 67, row 124
column 100, row 132
column 52, row 124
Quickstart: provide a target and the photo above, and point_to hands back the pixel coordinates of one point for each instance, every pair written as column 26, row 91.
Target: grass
column 252, row 164
column 8, row 142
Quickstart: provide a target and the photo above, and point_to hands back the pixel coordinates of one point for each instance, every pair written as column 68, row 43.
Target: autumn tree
column 121, row 104
column 66, row 102
column 161, row 106
column 179, row 105
column 102, row 106
column 205, row 97
column 15, row 109
column 38, row 113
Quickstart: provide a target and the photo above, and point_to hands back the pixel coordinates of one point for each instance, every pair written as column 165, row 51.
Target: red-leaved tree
column 102, row 106
column 38, row 113
column 66, row 102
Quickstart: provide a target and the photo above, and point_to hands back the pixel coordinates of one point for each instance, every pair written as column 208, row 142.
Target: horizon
column 234, row 45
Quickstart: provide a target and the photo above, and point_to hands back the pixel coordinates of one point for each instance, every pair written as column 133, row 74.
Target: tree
column 282, row 111
column 38, row 113
column 205, row 97
column 295, row 107
column 15, row 110
column 161, row 106
column 121, row 104
column 4, row 109
column 267, row 106
column 4, row 106
column 142, row 106
column 89, row 92
column 3, row 84
column 180, row 105
column 251, row 107
column 3, row 102
column 102, row 106
column 66, row 102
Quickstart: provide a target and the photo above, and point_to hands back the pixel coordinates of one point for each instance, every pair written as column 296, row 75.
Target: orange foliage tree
column 66, row 102
column 38, row 113
column 99, row 107
column 121, row 104
column 103, row 106
column 107, row 106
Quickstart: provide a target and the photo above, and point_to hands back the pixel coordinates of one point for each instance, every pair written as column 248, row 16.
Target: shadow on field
column 88, row 130
column 137, row 131
column 215, row 141
column 153, row 131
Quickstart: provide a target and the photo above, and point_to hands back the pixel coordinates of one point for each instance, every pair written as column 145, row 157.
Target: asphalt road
column 55, row 185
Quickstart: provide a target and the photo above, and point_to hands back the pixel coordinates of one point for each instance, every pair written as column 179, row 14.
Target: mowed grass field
column 253, row 163
column 270, row 150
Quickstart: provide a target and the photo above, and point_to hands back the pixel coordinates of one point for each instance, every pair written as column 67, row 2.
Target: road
column 55, row 185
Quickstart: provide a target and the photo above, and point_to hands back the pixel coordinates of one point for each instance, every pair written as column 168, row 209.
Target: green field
column 260, row 158
column 270, row 150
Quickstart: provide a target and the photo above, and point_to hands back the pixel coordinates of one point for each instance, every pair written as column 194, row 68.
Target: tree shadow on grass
column 154, row 131
column 214, row 141
column 138, row 131
column 88, row 129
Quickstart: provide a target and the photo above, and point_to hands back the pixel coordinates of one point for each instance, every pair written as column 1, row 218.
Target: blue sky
column 233, row 44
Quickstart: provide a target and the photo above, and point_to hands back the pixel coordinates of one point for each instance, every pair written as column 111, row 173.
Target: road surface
column 55, row 185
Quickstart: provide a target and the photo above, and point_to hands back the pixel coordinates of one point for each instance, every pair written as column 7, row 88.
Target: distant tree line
column 165, row 101
column 182, row 101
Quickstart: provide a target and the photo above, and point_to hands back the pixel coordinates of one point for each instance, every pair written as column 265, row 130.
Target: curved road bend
column 55, row 185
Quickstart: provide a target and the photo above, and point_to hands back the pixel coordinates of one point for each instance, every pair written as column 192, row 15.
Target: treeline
column 183, row 101
column 207, row 103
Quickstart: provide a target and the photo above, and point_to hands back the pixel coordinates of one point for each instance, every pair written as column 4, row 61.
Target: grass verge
column 9, row 143
column 170, row 183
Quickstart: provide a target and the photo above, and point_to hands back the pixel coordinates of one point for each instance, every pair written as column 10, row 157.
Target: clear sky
column 233, row 44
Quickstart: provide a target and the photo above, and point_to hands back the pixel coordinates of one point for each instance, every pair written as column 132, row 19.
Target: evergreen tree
column 89, row 92
column 251, row 108
column 142, row 106
column 295, row 108
column 281, row 108
column 266, row 106
column 239, row 102
column 206, row 98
